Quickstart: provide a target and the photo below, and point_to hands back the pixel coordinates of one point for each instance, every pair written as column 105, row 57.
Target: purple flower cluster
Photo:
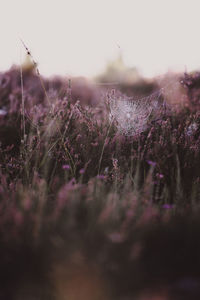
column 71, row 179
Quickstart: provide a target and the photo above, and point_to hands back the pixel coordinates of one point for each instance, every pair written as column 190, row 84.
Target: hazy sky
column 78, row 37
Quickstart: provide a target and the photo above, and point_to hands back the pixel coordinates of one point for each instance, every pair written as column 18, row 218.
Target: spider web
column 133, row 116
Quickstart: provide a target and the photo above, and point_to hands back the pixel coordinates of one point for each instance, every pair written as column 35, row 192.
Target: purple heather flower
column 3, row 112
column 168, row 206
column 151, row 163
column 82, row 171
column 192, row 128
column 159, row 175
column 66, row 167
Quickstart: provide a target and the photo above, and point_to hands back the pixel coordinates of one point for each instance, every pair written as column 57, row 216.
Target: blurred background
column 80, row 38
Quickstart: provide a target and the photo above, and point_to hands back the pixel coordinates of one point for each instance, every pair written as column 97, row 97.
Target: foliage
column 73, row 181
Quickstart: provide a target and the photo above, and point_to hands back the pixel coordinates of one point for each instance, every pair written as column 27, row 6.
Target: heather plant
column 104, row 188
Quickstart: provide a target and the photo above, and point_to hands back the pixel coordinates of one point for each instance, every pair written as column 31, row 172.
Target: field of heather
column 99, row 188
